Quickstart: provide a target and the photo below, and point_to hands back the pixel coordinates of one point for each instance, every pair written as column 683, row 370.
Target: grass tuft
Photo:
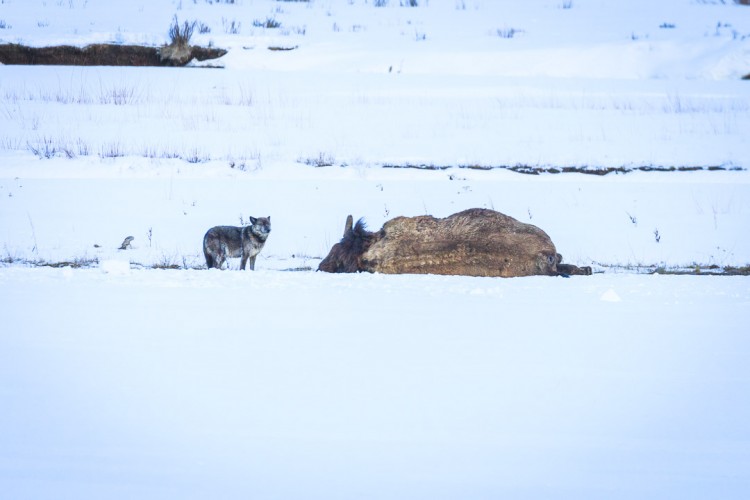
column 180, row 36
column 269, row 23
column 508, row 33
column 178, row 50
column 322, row 160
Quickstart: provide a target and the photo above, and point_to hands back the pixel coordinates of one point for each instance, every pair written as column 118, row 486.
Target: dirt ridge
column 99, row 55
column 538, row 170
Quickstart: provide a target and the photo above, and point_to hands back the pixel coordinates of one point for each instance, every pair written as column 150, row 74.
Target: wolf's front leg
column 243, row 262
column 252, row 262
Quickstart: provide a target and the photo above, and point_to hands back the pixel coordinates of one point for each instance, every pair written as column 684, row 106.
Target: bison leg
column 571, row 270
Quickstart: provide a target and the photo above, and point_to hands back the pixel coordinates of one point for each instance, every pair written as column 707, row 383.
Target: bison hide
column 475, row 242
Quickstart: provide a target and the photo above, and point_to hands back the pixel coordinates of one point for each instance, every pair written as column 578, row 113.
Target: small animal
column 126, row 243
column 475, row 242
column 221, row 242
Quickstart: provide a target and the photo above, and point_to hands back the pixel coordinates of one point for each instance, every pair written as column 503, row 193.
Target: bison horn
column 349, row 224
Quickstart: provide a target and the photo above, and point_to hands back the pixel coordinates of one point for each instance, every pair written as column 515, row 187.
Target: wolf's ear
column 252, row 220
column 349, row 223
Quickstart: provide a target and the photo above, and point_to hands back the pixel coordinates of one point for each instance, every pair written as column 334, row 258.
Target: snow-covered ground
column 198, row 384
column 122, row 381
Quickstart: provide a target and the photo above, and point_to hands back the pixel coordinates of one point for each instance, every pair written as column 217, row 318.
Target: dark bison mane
column 346, row 255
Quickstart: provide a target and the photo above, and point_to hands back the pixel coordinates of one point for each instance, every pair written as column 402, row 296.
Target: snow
column 197, row 384
column 119, row 380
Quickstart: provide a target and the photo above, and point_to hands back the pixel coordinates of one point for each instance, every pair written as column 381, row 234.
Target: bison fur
column 475, row 242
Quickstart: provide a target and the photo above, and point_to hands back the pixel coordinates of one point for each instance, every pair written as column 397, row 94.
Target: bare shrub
column 269, row 23
column 44, row 147
column 178, row 51
column 322, row 160
column 232, row 27
column 180, row 36
column 508, row 32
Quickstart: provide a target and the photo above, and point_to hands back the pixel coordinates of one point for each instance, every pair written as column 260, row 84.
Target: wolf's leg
column 252, row 262
column 221, row 256
column 244, row 261
column 219, row 261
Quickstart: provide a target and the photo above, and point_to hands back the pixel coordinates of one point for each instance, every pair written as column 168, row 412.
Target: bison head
column 346, row 255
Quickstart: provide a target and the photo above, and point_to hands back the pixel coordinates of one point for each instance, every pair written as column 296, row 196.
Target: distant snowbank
column 539, row 38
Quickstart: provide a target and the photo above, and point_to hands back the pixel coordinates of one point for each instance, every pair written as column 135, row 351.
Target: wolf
column 221, row 242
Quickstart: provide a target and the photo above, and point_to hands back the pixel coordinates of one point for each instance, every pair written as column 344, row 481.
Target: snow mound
column 115, row 267
column 610, row 296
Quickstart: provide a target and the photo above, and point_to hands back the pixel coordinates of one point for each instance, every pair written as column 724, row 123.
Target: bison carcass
column 475, row 242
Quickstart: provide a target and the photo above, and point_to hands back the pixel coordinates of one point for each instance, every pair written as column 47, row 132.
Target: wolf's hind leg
column 219, row 261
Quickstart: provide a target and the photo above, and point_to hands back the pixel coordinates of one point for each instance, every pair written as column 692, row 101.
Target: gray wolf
column 475, row 242
column 221, row 242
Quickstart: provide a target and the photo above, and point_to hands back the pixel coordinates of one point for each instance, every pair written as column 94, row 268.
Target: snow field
column 122, row 381
column 268, row 384
column 255, row 119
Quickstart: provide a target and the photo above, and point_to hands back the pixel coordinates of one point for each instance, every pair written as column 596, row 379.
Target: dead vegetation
column 672, row 270
column 698, row 270
column 77, row 263
column 538, row 170
column 178, row 51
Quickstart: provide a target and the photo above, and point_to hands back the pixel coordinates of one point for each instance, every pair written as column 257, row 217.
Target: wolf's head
column 260, row 226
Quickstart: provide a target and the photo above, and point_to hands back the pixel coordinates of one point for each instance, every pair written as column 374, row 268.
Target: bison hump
column 477, row 242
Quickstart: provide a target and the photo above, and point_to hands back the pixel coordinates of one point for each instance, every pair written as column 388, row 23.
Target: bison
column 475, row 242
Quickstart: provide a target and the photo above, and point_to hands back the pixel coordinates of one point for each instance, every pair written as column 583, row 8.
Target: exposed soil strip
column 602, row 268
column 696, row 270
column 99, row 55
column 527, row 169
